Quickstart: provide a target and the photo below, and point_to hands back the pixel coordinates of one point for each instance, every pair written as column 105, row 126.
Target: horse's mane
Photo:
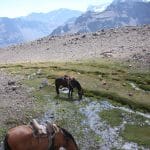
column 77, row 82
column 67, row 134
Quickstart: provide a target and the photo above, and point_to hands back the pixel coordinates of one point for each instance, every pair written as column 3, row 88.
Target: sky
column 16, row 8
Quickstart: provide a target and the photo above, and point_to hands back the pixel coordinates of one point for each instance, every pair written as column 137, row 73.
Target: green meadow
column 99, row 78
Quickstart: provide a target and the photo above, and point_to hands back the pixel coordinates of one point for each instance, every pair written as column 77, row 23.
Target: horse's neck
column 77, row 85
column 71, row 142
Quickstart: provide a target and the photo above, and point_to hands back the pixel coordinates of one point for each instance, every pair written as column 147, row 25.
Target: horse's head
column 60, row 137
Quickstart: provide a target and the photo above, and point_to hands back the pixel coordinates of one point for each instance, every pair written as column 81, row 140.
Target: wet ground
column 92, row 132
column 83, row 120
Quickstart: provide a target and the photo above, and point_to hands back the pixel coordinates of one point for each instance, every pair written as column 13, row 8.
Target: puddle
column 64, row 90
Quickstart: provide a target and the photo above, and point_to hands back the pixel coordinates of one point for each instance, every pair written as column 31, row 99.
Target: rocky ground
column 127, row 43
column 14, row 100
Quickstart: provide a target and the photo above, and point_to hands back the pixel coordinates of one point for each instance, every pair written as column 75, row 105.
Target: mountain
column 97, row 8
column 118, row 13
column 14, row 31
column 33, row 26
column 56, row 16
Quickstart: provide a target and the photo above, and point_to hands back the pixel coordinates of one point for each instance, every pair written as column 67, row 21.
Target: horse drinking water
column 70, row 83
column 27, row 137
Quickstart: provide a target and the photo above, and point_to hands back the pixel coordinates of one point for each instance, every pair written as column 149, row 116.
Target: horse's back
column 20, row 130
column 18, row 135
column 21, row 138
column 61, row 82
column 60, row 79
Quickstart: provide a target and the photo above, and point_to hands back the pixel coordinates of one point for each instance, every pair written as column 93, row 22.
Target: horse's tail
column 6, row 145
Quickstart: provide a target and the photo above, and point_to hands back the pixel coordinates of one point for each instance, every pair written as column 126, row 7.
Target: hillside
column 127, row 43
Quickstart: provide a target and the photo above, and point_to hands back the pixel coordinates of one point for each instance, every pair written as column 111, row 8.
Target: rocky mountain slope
column 33, row 26
column 118, row 13
column 126, row 43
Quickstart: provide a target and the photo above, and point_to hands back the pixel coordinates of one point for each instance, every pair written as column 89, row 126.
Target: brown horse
column 22, row 138
column 70, row 83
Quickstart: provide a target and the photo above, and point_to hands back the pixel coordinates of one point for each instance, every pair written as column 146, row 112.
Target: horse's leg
column 70, row 94
column 80, row 93
column 57, row 89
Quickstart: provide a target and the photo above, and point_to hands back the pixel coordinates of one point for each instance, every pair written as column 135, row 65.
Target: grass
column 114, row 96
column 137, row 134
column 144, row 87
column 2, row 133
column 113, row 117
column 141, row 79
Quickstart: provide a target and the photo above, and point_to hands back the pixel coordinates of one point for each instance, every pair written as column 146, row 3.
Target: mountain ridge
column 22, row 29
column 117, row 14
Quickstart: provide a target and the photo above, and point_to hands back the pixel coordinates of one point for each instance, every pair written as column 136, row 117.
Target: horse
column 70, row 83
column 23, row 138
